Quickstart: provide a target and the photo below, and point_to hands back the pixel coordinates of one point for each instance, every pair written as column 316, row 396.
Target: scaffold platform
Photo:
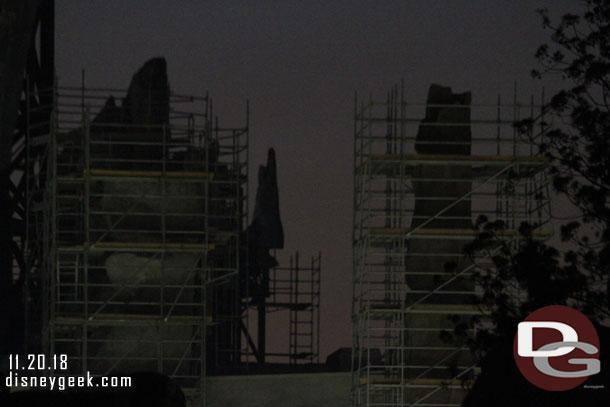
column 424, row 175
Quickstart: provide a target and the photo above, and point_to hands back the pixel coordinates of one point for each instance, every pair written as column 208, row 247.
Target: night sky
column 300, row 64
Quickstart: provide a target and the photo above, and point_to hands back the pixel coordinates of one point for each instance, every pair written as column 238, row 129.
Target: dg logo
column 556, row 348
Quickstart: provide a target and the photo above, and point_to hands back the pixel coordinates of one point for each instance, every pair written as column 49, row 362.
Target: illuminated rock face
column 145, row 202
column 133, row 209
column 152, row 285
column 143, row 286
column 173, row 270
column 444, row 131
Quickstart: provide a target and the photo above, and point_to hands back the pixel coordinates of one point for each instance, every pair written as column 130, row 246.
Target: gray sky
column 300, row 63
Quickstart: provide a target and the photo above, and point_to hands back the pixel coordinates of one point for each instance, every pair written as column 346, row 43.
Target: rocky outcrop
column 147, row 100
column 266, row 224
column 444, row 131
column 142, row 118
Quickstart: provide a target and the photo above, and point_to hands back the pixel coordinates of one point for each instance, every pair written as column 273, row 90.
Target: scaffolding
column 295, row 289
column 135, row 237
column 416, row 203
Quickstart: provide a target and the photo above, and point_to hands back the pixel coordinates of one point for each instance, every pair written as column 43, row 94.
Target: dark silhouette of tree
column 528, row 274
column 581, row 149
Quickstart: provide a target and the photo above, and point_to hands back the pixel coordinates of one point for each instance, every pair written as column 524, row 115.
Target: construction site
column 132, row 247
column 424, row 174
column 138, row 249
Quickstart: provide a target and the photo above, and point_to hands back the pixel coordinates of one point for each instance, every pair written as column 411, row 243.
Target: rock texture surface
column 444, row 131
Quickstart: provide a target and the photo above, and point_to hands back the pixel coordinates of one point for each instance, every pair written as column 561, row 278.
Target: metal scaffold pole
column 423, row 175
column 139, row 226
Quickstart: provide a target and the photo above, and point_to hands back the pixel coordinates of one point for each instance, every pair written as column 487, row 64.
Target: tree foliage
column 573, row 132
